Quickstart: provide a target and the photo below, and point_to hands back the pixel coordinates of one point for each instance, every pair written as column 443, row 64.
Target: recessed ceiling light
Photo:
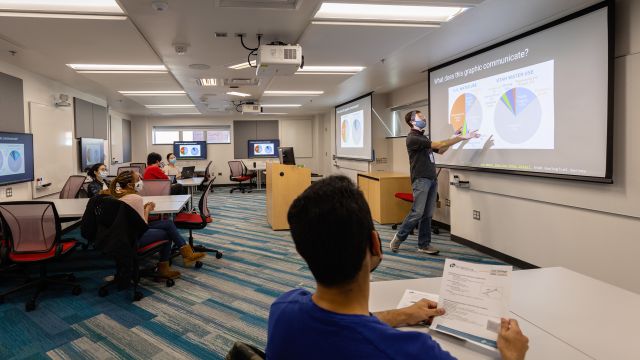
column 293, row 93
column 244, row 65
column 199, row 67
column 391, row 13
column 207, row 82
column 280, row 105
column 153, row 93
column 363, row 23
column 63, row 6
column 348, row 70
column 114, row 67
column 170, row 106
column 235, row 93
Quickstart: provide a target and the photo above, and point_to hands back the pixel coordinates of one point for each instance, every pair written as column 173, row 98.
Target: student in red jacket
column 153, row 172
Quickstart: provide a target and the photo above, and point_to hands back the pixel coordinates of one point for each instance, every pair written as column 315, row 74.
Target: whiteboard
column 52, row 130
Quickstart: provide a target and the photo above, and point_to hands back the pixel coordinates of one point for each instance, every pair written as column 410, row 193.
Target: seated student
column 98, row 173
column 130, row 184
column 171, row 168
column 333, row 231
column 153, row 172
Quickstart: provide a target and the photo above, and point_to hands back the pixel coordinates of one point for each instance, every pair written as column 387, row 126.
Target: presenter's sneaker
column 395, row 243
column 429, row 250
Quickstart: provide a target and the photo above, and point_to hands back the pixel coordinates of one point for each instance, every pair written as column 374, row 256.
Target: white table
column 259, row 167
column 169, row 204
column 190, row 184
column 565, row 315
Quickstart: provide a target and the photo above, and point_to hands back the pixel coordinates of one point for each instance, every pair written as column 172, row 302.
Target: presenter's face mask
column 139, row 185
column 420, row 124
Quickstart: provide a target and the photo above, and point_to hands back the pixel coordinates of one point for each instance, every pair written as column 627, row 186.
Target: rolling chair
column 156, row 187
column 243, row 351
column 198, row 221
column 72, row 187
column 33, row 234
column 142, row 166
column 239, row 174
column 208, row 178
column 122, row 169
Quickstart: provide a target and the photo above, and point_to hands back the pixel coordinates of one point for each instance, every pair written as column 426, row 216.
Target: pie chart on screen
column 518, row 115
column 466, row 114
column 183, row 150
column 15, row 161
column 1, row 160
column 267, row 149
column 194, row 151
column 357, row 131
column 345, row 130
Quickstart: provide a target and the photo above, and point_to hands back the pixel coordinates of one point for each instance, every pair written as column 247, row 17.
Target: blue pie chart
column 1, row 160
column 15, row 161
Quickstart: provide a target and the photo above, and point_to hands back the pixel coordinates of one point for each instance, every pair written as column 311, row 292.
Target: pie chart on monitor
column 518, row 115
column 466, row 113
column 15, row 161
column 183, row 150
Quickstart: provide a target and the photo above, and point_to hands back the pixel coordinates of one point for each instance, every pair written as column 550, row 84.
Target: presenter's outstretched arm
column 443, row 144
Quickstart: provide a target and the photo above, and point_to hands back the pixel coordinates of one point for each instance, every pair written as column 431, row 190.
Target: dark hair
column 169, row 155
column 153, row 158
column 411, row 115
column 331, row 227
column 123, row 179
column 92, row 170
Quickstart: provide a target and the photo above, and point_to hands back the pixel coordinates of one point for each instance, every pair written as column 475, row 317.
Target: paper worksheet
column 411, row 297
column 475, row 297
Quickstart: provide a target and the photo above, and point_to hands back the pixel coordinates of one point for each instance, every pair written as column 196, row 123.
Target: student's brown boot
column 189, row 257
column 165, row 271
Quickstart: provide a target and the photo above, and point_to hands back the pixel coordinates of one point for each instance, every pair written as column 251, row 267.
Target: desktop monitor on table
column 286, row 156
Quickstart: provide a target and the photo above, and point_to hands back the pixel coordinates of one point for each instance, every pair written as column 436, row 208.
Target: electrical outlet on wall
column 447, row 202
column 219, row 174
column 476, row 215
column 8, row 192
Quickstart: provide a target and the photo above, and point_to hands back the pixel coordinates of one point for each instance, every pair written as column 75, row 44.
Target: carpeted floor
column 207, row 310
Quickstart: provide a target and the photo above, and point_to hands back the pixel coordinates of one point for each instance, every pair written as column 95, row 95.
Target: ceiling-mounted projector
column 251, row 108
column 278, row 60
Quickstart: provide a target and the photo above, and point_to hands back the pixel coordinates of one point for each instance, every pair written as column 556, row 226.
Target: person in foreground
column 130, row 184
column 333, row 231
column 424, row 180
column 98, row 174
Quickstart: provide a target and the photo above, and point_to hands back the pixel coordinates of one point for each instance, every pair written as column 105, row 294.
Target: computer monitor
column 263, row 148
column 91, row 152
column 190, row 150
column 285, row 154
column 16, row 158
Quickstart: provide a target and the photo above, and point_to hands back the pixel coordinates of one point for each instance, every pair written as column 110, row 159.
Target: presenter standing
column 424, row 181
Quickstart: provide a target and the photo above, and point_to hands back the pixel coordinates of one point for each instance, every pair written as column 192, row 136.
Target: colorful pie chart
column 15, row 161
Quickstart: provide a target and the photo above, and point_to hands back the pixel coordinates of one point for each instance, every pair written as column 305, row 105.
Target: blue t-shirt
column 300, row 329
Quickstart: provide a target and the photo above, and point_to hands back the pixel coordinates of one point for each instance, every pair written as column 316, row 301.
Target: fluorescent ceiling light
column 243, row 65
column 292, row 93
column 153, row 93
column 382, row 12
column 119, row 72
column 235, row 93
column 362, row 23
column 185, row 106
column 280, row 105
column 61, row 16
column 63, row 6
column 114, row 67
column 207, row 82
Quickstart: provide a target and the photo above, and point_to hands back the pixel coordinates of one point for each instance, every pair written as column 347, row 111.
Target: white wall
column 220, row 154
column 42, row 90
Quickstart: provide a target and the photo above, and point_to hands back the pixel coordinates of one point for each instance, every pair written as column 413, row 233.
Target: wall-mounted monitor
column 91, row 152
column 190, row 150
column 16, row 158
column 263, row 148
column 286, row 156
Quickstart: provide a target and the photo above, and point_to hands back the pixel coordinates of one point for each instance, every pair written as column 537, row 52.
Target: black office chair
column 242, row 351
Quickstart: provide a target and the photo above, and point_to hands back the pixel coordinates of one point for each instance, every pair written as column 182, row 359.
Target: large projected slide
column 353, row 129
column 538, row 101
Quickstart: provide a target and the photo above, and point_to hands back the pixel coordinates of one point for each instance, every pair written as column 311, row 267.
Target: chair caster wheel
column 30, row 305
column 394, row 227
column 170, row 282
column 198, row 264
column 137, row 296
column 77, row 290
column 218, row 255
column 103, row 292
column 436, row 231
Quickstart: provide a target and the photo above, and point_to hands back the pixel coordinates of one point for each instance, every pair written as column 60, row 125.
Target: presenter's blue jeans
column 425, row 193
column 162, row 230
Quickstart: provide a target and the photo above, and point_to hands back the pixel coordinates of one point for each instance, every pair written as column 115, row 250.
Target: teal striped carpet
column 207, row 310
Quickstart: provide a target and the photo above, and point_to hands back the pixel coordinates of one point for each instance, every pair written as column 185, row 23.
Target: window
column 166, row 135
column 397, row 125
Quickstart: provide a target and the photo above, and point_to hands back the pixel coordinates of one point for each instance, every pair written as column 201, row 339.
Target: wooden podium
column 379, row 189
column 284, row 184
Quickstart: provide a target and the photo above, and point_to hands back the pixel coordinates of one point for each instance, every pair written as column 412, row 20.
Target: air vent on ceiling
column 241, row 82
column 260, row 4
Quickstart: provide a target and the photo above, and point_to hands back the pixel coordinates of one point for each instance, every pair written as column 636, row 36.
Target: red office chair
column 137, row 169
column 72, row 187
column 409, row 198
column 199, row 221
column 32, row 228
column 156, row 188
column 239, row 174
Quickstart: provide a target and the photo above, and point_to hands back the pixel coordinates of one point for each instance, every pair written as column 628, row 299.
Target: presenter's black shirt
column 423, row 163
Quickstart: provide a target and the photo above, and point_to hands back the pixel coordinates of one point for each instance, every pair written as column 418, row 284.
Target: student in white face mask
column 171, row 168
column 98, row 174
column 130, row 183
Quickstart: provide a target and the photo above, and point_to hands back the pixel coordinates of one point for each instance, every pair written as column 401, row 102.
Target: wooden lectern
column 284, row 184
